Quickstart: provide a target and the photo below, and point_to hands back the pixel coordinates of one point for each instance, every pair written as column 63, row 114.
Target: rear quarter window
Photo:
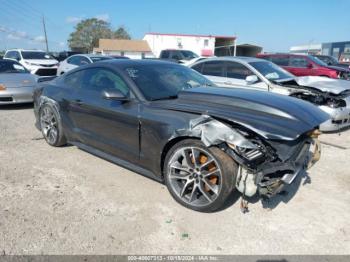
column 198, row 67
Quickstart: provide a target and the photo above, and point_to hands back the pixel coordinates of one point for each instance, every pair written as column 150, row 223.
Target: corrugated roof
column 124, row 45
column 193, row 35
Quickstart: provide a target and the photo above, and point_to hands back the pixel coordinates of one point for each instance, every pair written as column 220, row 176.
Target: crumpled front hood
column 270, row 115
column 324, row 84
column 11, row 80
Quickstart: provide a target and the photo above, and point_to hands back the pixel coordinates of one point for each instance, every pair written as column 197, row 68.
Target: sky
column 276, row 25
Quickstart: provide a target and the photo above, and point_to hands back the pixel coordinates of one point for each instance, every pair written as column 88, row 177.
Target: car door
column 299, row 66
column 214, row 70
column 236, row 74
column 109, row 125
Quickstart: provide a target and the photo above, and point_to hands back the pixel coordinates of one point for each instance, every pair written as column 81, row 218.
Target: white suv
column 36, row 61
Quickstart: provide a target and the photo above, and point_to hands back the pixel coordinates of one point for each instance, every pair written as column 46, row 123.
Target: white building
column 134, row 49
column 314, row 49
column 202, row 45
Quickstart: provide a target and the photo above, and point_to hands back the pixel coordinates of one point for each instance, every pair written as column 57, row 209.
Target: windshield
column 164, row 81
column 271, row 71
column 99, row 58
column 188, row 54
column 317, row 61
column 36, row 55
column 11, row 67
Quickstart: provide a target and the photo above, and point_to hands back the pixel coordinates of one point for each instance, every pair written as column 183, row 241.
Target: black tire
column 228, row 173
column 59, row 139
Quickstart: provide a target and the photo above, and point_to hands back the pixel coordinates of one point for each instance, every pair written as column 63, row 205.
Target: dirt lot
column 66, row 201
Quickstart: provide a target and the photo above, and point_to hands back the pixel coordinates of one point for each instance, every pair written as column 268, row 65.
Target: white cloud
column 103, row 17
column 61, row 44
column 16, row 35
column 73, row 19
column 40, row 39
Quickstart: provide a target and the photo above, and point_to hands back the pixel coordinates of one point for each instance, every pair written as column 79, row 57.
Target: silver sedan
column 16, row 83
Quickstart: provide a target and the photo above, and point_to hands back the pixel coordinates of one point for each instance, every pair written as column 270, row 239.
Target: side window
column 213, row 69
column 73, row 80
column 198, row 67
column 175, row 55
column 75, row 60
column 17, row 56
column 280, row 60
column 296, row 61
column 99, row 79
column 165, row 54
column 84, row 61
column 237, row 71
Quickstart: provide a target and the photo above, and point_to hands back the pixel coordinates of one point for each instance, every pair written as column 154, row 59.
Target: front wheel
column 199, row 177
column 51, row 126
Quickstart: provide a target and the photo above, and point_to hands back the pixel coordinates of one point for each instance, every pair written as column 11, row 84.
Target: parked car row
column 331, row 61
column 307, row 65
column 330, row 95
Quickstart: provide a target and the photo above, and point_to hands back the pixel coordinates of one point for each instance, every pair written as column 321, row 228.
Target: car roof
column 29, row 50
column 245, row 59
column 89, row 55
column 133, row 62
column 283, row 54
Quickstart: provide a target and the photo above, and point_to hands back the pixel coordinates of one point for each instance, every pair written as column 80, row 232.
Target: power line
column 13, row 12
column 4, row 29
column 31, row 15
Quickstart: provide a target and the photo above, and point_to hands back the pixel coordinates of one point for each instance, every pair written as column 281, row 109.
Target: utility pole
column 44, row 26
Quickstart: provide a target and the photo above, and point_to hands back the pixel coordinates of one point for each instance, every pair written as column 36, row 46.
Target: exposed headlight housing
column 335, row 103
column 248, row 153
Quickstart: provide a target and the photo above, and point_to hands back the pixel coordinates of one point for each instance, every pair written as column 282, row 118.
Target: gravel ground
column 66, row 201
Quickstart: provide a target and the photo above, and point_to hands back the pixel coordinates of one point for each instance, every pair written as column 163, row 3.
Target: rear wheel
column 199, row 177
column 51, row 126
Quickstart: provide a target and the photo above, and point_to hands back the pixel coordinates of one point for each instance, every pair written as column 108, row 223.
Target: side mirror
column 252, row 79
column 18, row 59
column 309, row 66
column 114, row 95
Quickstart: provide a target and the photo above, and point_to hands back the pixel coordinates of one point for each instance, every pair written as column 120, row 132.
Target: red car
column 306, row 65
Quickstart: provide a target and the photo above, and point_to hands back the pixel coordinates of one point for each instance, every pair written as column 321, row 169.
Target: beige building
column 134, row 49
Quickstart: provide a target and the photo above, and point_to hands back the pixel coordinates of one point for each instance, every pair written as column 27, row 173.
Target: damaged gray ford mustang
column 161, row 120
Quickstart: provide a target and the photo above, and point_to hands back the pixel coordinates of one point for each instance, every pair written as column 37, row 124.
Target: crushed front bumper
column 16, row 95
column 270, row 184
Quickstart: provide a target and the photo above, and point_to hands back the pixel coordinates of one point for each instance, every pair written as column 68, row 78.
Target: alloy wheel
column 195, row 176
column 49, row 125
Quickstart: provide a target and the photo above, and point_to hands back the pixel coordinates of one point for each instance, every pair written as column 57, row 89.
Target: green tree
column 121, row 33
column 87, row 34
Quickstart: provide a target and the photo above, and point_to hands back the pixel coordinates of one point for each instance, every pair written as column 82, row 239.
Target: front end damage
column 330, row 95
column 265, row 166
